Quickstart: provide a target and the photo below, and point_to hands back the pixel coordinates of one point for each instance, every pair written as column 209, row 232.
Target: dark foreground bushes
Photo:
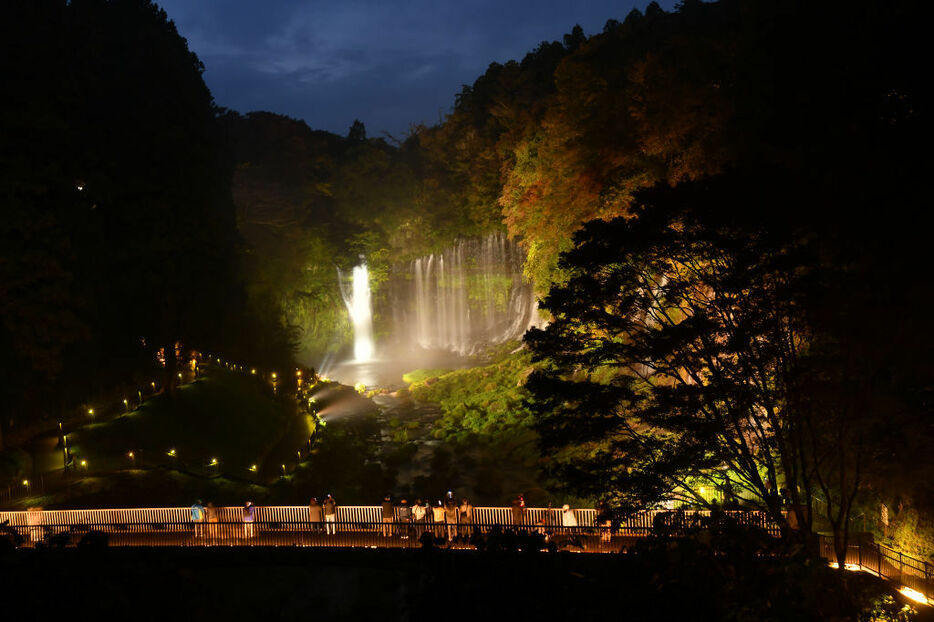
column 682, row 579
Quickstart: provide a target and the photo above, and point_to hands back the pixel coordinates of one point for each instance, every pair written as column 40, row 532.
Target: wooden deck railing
column 363, row 526
column 639, row 524
column 354, row 526
column 906, row 571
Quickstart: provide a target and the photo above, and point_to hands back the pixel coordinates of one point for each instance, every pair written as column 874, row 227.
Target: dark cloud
column 390, row 64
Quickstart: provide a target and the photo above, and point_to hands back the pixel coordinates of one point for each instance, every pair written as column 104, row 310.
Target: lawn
column 224, row 416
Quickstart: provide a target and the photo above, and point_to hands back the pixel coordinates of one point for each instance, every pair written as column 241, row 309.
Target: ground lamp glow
column 914, row 595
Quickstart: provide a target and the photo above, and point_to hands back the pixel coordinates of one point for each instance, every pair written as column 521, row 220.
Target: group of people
column 445, row 518
column 323, row 512
column 206, row 519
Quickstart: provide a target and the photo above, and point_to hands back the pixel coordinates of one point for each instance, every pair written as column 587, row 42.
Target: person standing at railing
column 465, row 513
column 330, row 515
column 450, row 516
column 389, row 516
column 518, row 510
column 249, row 516
column 420, row 517
column 405, row 519
column 315, row 514
column 437, row 517
column 197, row 517
column 568, row 519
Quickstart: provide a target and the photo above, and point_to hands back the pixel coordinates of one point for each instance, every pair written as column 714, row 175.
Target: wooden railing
column 353, row 526
column 639, row 524
column 907, row 572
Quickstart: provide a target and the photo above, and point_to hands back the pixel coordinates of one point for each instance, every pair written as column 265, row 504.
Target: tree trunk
column 839, row 547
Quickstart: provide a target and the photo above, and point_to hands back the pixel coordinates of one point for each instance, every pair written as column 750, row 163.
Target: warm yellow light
column 253, row 371
column 84, row 463
column 253, row 468
column 213, row 461
column 179, row 375
column 153, row 384
column 851, row 567
column 130, row 454
column 171, row 452
column 91, row 411
column 298, row 373
column 25, row 482
column 125, row 402
column 914, row 595
column 273, row 375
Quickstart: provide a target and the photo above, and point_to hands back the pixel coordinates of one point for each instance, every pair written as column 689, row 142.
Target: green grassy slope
column 226, row 416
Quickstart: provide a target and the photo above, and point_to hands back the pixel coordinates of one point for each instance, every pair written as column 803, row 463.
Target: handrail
column 641, row 522
column 915, row 576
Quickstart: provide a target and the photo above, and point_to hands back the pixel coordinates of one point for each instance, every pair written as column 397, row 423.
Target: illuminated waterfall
column 469, row 296
column 361, row 312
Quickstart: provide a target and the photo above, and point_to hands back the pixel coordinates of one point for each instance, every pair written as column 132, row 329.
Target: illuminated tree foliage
column 691, row 352
column 679, row 331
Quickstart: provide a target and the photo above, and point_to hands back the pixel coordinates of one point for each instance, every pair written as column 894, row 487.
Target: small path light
column 126, row 404
column 90, row 412
column 171, row 452
column 253, row 468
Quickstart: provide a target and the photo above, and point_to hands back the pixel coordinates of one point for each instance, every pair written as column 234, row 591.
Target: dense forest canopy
column 571, row 132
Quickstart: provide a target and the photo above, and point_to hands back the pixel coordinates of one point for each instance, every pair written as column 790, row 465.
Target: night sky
column 389, row 64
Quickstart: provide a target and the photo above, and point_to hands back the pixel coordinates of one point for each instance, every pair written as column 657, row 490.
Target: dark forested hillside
column 118, row 231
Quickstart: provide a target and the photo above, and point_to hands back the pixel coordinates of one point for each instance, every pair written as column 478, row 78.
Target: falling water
column 361, row 312
column 471, row 295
